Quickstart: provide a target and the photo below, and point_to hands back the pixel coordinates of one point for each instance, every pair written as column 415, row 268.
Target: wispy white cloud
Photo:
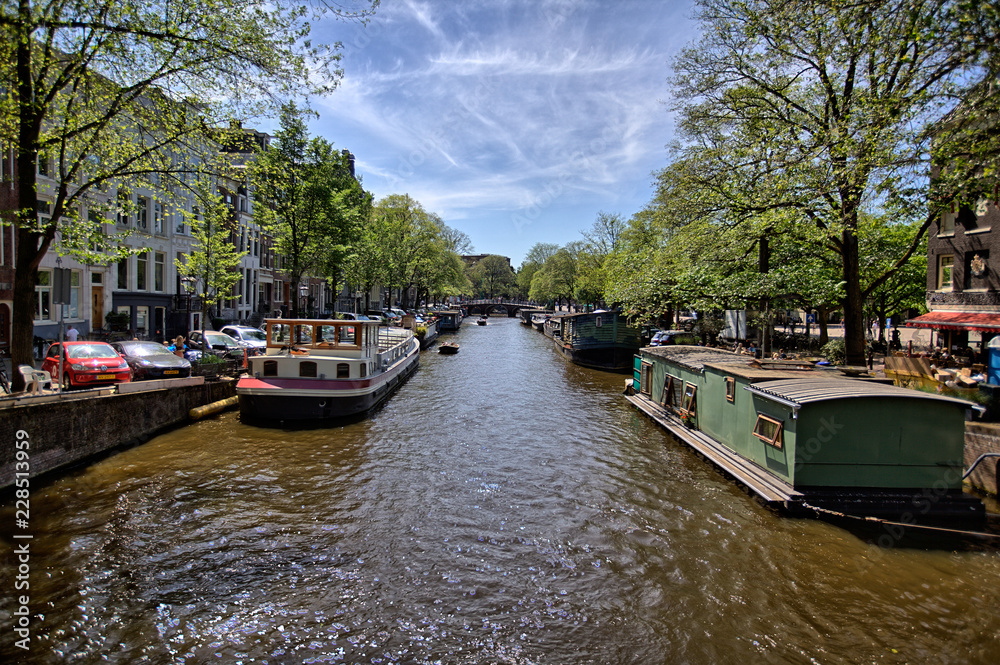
column 480, row 110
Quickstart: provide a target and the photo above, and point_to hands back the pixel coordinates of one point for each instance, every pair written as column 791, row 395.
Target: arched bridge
column 487, row 307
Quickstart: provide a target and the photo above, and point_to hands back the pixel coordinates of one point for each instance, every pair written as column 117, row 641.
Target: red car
column 87, row 364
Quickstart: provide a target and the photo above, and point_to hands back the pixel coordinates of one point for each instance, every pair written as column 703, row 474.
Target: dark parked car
column 150, row 360
column 87, row 364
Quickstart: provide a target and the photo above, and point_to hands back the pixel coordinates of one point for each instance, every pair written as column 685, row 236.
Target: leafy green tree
column 532, row 263
column 103, row 95
column 308, row 200
column 823, row 108
column 556, row 280
column 492, row 276
column 214, row 262
column 881, row 243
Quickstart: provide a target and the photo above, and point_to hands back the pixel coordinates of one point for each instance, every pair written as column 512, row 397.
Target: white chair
column 35, row 380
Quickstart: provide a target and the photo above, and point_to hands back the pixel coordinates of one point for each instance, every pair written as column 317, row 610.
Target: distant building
column 963, row 277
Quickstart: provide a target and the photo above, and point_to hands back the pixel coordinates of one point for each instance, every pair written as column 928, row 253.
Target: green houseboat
column 809, row 440
column 601, row 340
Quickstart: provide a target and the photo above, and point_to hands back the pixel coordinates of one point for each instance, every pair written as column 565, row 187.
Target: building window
column 43, row 296
column 142, row 319
column 769, row 431
column 159, row 258
column 947, row 225
column 123, row 274
column 74, row 295
column 157, row 217
column 124, row 204
column 7, row 168
column 945, row 266
column 142, row 214
column 140, row 271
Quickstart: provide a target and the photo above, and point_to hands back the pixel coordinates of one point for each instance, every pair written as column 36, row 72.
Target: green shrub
column 835, row 351
column 210, row 359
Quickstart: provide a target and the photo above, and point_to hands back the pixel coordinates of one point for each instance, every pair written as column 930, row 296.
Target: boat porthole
column 322, row 404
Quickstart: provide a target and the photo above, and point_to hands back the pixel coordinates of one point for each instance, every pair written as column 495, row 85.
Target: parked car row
column 95, row 364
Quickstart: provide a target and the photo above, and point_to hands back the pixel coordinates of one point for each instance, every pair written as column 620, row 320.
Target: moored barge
column 323, row 369
column 599, row 340
column 810, row 441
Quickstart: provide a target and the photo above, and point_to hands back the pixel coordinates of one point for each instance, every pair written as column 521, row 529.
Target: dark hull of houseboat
column 327, row 400
column 607, row 358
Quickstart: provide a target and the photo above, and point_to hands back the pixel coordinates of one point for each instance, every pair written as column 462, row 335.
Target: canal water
column 504, row 507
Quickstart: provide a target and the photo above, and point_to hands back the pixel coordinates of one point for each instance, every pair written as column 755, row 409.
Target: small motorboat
column 449, row 348
column 481, row 321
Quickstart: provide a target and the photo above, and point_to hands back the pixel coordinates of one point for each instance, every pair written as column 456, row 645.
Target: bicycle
column 4, row 379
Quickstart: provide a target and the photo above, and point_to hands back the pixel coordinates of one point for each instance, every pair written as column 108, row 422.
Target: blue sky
column 516, row 121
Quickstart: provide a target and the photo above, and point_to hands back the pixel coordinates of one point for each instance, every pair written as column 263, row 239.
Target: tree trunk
column 294, row 297
column 854, row 333
column 822, row 323
column 28, row 253
column 22, row 319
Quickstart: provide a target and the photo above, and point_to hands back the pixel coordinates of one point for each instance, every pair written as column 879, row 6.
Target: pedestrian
column 72, row 334
column 179, row 347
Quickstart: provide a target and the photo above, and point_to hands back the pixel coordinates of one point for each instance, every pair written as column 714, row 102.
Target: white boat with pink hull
column 324, row 369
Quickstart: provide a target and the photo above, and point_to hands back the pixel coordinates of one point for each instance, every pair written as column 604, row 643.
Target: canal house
column 802, row 438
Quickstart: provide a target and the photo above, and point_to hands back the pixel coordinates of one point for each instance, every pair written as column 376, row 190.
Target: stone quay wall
column 73, row 428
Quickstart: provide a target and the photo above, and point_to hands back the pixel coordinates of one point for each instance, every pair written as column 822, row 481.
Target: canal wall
column 70, row 428
column 983, row 438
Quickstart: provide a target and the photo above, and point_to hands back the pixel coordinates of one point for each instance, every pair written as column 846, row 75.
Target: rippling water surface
column 504, row 507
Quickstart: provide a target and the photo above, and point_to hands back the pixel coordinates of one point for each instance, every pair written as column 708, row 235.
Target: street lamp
column 188, row 284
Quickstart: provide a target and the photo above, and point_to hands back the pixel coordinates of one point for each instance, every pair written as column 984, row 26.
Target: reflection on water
column 504, row 507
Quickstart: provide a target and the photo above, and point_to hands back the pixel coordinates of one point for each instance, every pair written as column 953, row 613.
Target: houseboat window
column 270, row 368
column 364, row 369
column 280, row 333
column 945, row 265
column 689, row 399
column 327, row 335
column 343, row 371
column 671, row 397
column 730, row 389
column 348, row 335
column 598, row 322
column 646, row 378
column 769, row 431
column 307, row 369
column 302, row 334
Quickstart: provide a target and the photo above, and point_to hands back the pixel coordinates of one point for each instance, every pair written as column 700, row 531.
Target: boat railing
column 392, row 345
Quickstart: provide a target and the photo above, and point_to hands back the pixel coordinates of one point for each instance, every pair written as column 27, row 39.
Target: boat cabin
column 808, row 427
column 309, row 348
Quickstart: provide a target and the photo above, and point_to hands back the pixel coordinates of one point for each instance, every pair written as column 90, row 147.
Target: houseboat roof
column 807, row 389
column 697, row 358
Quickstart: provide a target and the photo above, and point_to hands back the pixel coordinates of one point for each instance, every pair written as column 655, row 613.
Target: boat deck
column 769, row 489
